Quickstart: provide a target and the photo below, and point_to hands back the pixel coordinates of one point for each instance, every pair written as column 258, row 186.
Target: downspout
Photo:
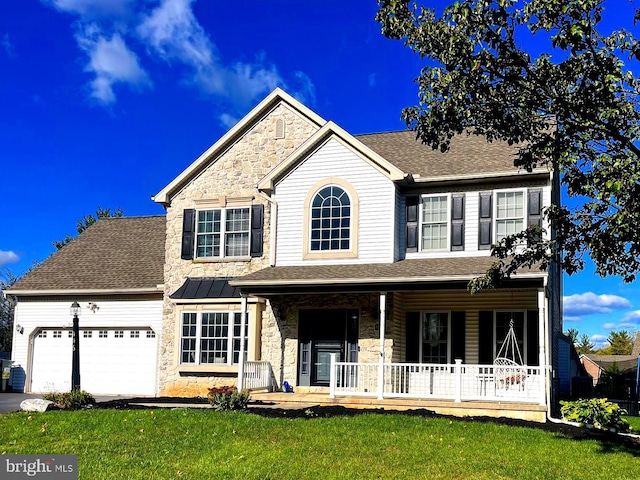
column 273, row 222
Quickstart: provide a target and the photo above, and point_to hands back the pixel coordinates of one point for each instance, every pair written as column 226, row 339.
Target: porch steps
column 522, row 411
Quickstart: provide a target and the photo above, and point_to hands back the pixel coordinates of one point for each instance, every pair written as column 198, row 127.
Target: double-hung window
column 509, row 213
column 223, row 232
column 435, row 223
column 211, row 337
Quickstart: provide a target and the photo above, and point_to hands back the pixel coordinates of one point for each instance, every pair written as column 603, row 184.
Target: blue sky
column 104, row 102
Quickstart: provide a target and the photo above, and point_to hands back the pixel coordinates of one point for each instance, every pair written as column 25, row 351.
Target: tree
column 572, row 333
column 573, row 108
column 86, row 221
column 585, row 345
column 620, row 343
column 6, row 312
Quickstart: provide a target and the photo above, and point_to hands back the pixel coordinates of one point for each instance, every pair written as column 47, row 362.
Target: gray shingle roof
column 404, row 270
column 468, row 154
column 113, row 253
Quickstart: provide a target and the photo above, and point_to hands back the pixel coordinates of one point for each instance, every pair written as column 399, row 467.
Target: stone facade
column 231, row 177
column 280, row 330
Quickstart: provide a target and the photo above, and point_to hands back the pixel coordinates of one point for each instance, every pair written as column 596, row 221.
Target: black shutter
column 257, row 221
column 412, row 336
column 533, row 358
column 534, row 210
column 412, row 222
column 485, row 337
column 188, row 233
column 457, row 222
column 458, row 335
column 484, row 234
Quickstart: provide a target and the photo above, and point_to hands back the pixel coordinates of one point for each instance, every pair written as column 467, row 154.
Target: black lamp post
column 75, row 365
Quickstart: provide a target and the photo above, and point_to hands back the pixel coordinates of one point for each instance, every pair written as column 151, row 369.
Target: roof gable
column 331, row 131
column 275, row 98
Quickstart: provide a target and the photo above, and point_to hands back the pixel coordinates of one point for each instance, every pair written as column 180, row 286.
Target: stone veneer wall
column 280, row 330
column 234, row 175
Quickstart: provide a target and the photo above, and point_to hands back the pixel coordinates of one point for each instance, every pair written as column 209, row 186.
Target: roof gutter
column 86, row 291
column 239, row 282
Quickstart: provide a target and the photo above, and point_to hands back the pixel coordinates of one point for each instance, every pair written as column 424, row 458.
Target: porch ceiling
column 411, row 274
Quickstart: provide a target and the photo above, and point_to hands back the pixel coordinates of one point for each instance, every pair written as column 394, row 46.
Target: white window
column 330, row 220
column 223, row 232
column 134, row 334
column 151, row 334
column 509, row 213
column 57, row 334
column 102, row 334
column 211, row 338
column 118, row 334
column 42, row 334
column 435, row 222
column 434, row 347
column 87, row 333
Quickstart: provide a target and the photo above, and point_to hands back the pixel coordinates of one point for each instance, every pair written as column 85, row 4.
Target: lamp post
column 75, row 361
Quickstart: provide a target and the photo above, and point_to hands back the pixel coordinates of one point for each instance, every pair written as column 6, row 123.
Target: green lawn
column 205, row 444
column 634, row 422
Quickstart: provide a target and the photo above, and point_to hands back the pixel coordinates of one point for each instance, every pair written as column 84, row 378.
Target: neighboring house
column 114, row 271
column 340, row 265
column 613, row 375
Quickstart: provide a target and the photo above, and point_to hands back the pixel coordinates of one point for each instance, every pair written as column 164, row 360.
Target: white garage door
column 112, row 361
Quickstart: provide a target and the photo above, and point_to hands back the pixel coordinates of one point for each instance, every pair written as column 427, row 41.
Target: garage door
column 112, row 361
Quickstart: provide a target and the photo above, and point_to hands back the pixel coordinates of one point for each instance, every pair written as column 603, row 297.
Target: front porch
column 455, row 389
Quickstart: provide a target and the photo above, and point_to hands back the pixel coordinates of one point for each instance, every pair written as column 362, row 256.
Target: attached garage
column 114, row 271
column 112, row 361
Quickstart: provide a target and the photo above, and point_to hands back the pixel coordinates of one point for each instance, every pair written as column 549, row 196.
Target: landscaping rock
column 36, row 405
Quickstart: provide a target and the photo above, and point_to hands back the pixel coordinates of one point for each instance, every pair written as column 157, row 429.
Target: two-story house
column 296, row 252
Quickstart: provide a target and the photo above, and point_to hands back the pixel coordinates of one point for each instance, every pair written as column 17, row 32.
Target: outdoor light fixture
column 75, row 361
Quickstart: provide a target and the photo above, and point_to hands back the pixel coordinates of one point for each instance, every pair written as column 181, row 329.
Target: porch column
column 383, row 307
column 243, row 322
column 542, row 356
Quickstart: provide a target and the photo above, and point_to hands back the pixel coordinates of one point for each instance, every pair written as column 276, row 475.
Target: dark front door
column 321, row 333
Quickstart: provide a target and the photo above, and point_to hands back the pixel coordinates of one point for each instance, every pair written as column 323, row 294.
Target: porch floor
column 522, row 411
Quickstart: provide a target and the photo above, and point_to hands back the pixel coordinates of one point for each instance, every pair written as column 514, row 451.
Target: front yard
column 205, row 444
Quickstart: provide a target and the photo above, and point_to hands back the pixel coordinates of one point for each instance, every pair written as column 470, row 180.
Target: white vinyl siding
column 112, row 316
column 376, row 196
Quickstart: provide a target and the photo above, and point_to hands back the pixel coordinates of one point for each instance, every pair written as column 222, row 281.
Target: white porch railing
column 257, row 376
column 456, row 382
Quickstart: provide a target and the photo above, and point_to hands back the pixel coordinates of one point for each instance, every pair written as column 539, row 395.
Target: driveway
column 10, row 402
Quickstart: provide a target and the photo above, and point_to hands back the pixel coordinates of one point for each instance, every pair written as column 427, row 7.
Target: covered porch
column 417, row 344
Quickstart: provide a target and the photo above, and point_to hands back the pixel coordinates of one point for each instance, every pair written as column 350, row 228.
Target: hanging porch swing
column 508, row 365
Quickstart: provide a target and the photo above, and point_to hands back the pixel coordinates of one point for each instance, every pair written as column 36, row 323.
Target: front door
column 321, row 333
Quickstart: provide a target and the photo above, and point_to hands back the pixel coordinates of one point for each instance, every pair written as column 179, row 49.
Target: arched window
column 330, row 220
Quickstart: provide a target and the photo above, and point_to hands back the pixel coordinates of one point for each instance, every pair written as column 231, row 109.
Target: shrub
column 72, row 400
column 597, row 412
column 228, row 398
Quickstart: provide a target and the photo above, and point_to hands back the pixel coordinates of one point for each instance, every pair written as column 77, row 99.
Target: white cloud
column 599, row 340
column 8, row 46
column 227, row 120
column 306, row 92
column 92, row 9
column 609, row 326
column 632, row 317
column 589, row 303
column 173, row 32
column 569, row 318
column 112, row 62
column 373, row 79
column 8, row 257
